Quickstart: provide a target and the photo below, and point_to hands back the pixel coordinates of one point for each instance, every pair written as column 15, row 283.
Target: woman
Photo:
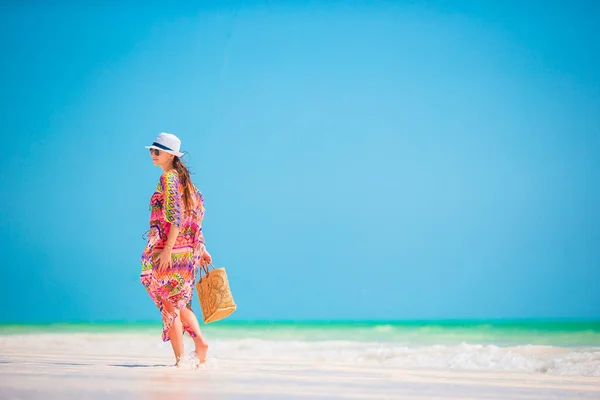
column 175, row 247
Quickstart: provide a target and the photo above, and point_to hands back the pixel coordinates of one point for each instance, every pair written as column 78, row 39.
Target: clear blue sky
column 366, row 160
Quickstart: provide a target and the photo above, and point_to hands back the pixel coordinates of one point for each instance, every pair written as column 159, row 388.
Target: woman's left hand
column 206, row 258
column 163, row 261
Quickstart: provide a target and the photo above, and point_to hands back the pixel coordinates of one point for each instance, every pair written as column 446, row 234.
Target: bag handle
column 205, row 268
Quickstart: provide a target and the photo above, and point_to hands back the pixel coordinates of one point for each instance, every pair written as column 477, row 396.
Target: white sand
column 127, row 366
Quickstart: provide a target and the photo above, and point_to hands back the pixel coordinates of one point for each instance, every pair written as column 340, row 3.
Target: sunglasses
column 156, row 152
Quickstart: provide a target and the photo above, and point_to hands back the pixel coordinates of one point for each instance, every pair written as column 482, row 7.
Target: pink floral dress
column 175, row 285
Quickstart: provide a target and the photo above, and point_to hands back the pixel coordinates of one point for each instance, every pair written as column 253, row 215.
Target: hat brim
column 175, row 153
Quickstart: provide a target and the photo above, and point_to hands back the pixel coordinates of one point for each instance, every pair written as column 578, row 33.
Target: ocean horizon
column 503, row 332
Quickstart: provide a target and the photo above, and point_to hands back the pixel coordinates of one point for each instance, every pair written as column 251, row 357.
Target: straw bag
column 214, row 294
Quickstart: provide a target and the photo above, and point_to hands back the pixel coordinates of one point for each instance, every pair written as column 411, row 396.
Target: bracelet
column 168, row 245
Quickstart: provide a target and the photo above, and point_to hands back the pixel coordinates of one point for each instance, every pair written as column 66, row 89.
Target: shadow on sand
column 139, row 365
column 71, row 364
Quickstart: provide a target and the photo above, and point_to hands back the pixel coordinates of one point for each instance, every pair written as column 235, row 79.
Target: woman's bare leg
column 189, row 318
column 175, row 333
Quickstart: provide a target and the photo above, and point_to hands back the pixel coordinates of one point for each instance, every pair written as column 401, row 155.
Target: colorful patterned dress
column 175, row 284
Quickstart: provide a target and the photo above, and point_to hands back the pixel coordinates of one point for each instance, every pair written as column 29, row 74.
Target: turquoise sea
column 498, row 332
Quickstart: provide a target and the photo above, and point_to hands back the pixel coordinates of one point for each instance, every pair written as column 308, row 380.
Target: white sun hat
column 167, row 142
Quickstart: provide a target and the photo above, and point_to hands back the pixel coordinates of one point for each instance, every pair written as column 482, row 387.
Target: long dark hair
column 186, row 182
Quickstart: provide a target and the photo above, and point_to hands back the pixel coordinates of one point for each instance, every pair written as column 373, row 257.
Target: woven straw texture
column 214, row 294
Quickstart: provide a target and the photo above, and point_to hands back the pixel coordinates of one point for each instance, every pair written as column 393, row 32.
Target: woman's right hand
column 163, row 260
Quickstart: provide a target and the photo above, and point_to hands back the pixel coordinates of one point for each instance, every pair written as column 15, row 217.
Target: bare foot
column 201, row 351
